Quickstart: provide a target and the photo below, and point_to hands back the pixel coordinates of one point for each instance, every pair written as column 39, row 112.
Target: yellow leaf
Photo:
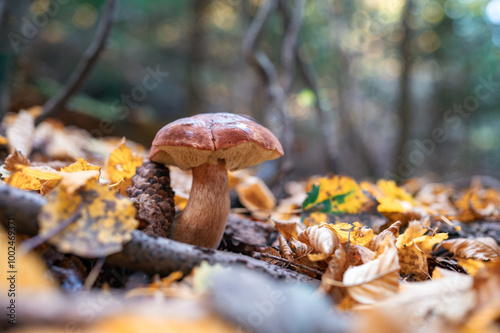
column 255, row 196
column 355, row 233
column 471, row 266
column 3, row 140
column 122, row 164
column 80, row 165
column 180, row 201
column 32, row 273
column 102, row 225
column 34, row 179
column 426, row 243
column 390, row 189
column 337, row 194
column 412, row 259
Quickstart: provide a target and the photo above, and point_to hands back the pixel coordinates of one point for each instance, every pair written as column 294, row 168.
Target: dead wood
column 143, row 253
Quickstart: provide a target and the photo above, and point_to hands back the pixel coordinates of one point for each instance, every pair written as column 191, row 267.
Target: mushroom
column 210, row 144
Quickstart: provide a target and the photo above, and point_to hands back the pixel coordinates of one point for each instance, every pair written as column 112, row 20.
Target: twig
column 309, row 75
column 267, row 255
column 84, row 66
column 94, row 274
column 143, row 253
column 36, row 241
column 288, row 50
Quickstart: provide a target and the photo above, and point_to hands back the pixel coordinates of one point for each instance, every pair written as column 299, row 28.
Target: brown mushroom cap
column 214, row 138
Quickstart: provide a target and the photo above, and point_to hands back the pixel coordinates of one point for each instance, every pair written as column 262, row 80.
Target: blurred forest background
column 367, row 88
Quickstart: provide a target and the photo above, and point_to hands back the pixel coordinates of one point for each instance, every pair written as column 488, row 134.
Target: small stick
column 270, row 256
column 94, row 274
column 37, row 240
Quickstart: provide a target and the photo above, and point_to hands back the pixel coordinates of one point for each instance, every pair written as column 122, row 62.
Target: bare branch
column 288, row 50
column 54, row 105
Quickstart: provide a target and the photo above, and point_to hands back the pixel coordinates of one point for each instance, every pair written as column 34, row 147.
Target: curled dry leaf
column 322, row 240
column 335, row 271
column 481, row 248
column 286, row 228
column 375, row 280
column 392, row 230
column 255, row 196
column 20, row 133
column 286, row 251
column 300, row 248
column 103, row 225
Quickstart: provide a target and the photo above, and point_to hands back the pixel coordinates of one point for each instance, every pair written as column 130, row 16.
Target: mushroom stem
column 204, row 218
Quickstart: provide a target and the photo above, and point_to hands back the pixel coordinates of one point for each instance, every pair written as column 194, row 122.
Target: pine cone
column 153, row 197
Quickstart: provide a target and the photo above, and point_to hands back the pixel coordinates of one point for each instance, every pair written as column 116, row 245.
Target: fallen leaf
column 321, row 239
column 20, row 133
column 334, row 195
column 80, row 165
column 355, row 233
column 375, row 280
column 104, row 223
column 255, row 196
column 481, row 248
column 121, row 166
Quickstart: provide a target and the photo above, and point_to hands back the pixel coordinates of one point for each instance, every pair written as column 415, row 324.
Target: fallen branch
column 84, row 66
column 143, row 253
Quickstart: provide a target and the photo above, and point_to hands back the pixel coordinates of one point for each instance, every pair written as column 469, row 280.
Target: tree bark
column 143, row 253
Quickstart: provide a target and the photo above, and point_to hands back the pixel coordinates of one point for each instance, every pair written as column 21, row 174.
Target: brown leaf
column 375, row 280
column 20, row 133
column 321, row 239
column 481, row 248
column 286, row 251
column 14, row 159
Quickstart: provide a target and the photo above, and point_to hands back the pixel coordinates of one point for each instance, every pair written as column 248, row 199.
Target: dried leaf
column 104, row 224
column 335, row 270
column 300, row 248
column 375, row 280
column 80, row 165
column 392, row 230
column 411, row 258
column 481, row 248
column 286, row 228
column 355, row 233
column 14, row 160
column 286, row 251
column 34, row 179
column 322, row 240
column 255, row 196
column 121, row 166
column 20, row 133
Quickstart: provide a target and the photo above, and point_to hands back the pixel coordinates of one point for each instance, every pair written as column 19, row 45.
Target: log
column 151, row 255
